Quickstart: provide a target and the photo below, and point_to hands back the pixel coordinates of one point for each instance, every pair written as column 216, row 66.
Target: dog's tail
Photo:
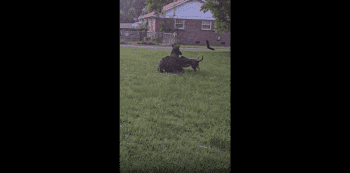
column 201, row 59
column 208, row 46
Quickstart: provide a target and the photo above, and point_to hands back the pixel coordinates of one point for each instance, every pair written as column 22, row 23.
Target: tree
column 144, row 11
column 156, row 6
column 121, row 14
column 143, row 26
column 221, row 10
column 167, row 26
column 125, row 6
column 132, row 14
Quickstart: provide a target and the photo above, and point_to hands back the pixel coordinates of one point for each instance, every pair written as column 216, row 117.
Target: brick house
column 193, row 26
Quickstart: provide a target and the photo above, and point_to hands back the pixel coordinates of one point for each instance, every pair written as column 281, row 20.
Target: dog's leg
column 194, row 68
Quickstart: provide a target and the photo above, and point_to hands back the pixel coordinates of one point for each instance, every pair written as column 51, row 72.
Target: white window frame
column 210, row 22
column 179, row 23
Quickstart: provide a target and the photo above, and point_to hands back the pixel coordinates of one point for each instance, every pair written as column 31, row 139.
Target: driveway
column 183, row 47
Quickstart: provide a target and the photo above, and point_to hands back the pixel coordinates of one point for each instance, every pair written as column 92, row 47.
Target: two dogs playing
column 175, row 62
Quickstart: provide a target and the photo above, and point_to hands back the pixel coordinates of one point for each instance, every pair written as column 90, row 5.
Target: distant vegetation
column 130, row 10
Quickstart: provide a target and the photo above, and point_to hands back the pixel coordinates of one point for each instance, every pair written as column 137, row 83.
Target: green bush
column 156, row 38
column 153, row 39
column 143, row 26
column 151, row 43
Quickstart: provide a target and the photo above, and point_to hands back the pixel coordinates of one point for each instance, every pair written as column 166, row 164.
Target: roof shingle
column 164, row 8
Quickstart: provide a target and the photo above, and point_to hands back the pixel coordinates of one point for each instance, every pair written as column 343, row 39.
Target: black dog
column 171, row 64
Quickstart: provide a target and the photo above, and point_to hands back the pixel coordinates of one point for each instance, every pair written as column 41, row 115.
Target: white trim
column 179, row 23
column 209, row 25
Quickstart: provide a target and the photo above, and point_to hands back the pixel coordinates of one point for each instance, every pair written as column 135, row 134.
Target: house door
column 168, row 38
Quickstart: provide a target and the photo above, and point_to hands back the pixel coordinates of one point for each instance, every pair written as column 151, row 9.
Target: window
column 206, row 25
column 179, row 24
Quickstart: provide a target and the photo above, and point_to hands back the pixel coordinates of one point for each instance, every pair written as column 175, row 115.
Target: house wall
column 152, row 29
column 193, row 32
column 151, row 24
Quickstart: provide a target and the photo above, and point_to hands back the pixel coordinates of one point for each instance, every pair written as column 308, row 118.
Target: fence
column 168, row 38
column 136, row 35
column 132, row 35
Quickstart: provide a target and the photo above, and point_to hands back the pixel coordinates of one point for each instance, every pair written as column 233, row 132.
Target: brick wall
column 193, row 32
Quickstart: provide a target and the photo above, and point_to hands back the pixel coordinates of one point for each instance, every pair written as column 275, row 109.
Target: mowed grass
column 177, row 122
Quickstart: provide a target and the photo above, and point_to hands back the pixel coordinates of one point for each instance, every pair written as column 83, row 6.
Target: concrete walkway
column 159, row 47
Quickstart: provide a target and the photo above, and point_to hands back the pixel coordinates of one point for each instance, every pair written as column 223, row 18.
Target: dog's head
column 176, row 50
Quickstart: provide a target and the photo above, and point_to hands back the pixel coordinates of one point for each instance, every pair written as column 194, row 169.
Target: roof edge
column 168, row 7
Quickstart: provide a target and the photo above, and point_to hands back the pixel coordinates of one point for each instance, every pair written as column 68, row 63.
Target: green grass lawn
column 178, row 122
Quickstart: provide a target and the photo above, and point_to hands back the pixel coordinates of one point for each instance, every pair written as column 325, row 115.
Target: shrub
column 166, row 27
column 143, row 26
column 153, row 39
